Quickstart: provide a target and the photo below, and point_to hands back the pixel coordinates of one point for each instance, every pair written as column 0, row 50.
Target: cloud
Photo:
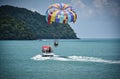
column 96, row 7
column 100, row 3
column 81, row 8
column 111, row 7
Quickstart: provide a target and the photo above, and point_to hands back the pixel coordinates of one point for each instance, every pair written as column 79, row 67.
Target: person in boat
column 50, row 50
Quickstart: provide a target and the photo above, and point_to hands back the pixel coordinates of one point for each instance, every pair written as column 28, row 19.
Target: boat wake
column 74, row 58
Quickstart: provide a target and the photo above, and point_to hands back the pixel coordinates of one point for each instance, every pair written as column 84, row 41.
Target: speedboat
column 47, row 51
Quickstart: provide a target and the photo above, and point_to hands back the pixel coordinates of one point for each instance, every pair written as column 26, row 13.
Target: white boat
column 47, row 51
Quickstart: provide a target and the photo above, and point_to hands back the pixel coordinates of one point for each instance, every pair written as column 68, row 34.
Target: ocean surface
column 74, row 59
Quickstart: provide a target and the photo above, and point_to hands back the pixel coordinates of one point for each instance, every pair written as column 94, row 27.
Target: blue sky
column 96, row 18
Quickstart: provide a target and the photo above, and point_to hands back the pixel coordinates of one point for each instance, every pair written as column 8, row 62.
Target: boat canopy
column 46, row 47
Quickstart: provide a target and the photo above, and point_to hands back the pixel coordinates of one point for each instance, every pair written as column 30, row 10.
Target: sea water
column 74, row 59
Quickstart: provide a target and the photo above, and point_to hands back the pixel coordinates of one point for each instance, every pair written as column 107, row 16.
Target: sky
column 95, row 18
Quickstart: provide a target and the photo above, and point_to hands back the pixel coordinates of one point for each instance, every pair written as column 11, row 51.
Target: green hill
column 20, row 23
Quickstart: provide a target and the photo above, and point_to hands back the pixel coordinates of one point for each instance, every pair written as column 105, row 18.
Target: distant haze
column 95, row 18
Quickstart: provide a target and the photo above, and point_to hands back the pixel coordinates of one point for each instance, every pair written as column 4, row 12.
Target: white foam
column 91, row 59
column 39, row 57
column 74, row 58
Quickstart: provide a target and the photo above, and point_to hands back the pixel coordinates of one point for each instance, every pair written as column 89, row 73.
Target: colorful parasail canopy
column 61, row 13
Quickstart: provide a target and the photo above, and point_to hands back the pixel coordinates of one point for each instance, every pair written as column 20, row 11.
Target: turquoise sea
column 74, row 59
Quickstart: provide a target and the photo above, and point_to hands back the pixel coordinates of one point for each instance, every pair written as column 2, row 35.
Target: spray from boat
column 75, row 58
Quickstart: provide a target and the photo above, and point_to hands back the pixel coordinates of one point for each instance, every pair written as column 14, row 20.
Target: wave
column 75, row 58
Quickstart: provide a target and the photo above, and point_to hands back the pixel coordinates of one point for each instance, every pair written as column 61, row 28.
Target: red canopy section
column 46, row 48
column 43, row 47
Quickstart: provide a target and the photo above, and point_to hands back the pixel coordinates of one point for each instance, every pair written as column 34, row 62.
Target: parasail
column 61, row 13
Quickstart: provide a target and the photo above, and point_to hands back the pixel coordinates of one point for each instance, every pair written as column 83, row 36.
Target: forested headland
column 22, row 24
